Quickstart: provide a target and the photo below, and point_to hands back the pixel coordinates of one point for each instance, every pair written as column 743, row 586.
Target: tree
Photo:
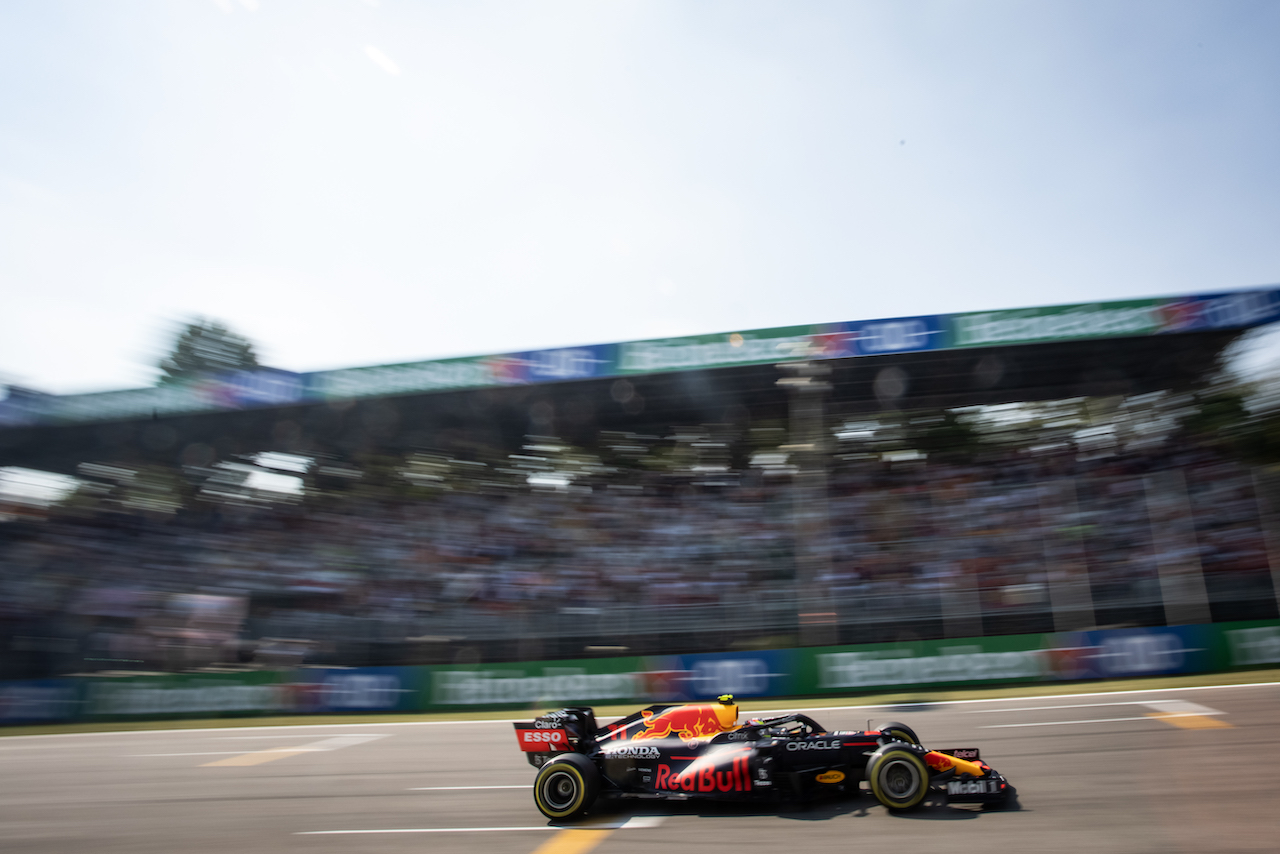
column 1219, row 415
column 204, row 347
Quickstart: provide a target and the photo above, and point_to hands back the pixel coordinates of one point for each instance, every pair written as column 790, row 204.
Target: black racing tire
column 566, row 787
column 901, row 732
column 898, row 777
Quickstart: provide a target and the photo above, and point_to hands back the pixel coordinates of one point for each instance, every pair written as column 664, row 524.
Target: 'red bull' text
column 706, row 779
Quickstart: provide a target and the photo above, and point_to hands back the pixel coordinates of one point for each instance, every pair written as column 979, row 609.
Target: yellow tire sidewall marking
column 577, row 802
column 911, row 759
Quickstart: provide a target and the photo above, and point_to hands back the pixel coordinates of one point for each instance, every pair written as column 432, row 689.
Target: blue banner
column 262, row 387
column 690, row 678
column 360, row 689
column 38, row 701
column 898, row 335
column 1122, row 653
column 1221, row 311
column 568, row 363
column 23, row 406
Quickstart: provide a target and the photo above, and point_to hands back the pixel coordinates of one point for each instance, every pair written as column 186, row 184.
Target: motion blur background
column 225, row 208
column 881, row 487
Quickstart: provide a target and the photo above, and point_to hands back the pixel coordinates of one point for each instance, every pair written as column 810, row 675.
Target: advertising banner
column 272, row 387
column 1016, row 658
column 757, row 346
column 1103, row 654
column 1055, row 323
column 166, row 399
column 688, row 678
column 1221, row 311
column 543, row 683
column 1107, row 654
column 22, row 406
column 1250, row 644
column 410, row 378
column 568, row 363
column 360, row 689
column 186, row 695
column 245, row 389
column 32, row 701
column 1123, row 653
column 899, row 335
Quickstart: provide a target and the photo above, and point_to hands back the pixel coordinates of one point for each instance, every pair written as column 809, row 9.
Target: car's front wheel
column 566, row 787
column 898, row 777
column 901, row 732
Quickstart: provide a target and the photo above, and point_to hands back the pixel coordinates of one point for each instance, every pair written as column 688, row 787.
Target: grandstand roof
column 1117, row 348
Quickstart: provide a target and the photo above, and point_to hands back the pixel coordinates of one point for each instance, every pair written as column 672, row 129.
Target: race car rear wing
column 571, row 729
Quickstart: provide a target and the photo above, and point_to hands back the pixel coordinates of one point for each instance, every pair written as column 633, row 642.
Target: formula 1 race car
column 698, row 750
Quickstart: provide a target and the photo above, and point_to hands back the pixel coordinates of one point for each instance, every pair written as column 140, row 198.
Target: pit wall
column 842, row 670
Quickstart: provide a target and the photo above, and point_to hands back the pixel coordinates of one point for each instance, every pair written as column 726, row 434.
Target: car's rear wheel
column 901, row 732
column 898, row 777
column 566, row 787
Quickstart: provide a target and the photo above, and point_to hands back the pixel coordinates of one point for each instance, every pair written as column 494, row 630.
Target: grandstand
column 925, row 477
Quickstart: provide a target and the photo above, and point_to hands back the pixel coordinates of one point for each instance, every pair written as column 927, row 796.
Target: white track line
column 1157, row 705
column 1180, row 708
column 261, row 737
column 206, row 753
column 238, row 752
column 1053, row 708
column 1067, row 723
column 1166, row 708
column 430, row 830
column 636, row 822
column 463, row 788
column 337, row 742
column 642, row 821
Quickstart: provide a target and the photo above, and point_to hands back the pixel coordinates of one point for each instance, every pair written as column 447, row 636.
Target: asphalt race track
column 1170, row 770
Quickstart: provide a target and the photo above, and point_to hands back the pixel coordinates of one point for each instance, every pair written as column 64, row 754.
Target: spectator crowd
column 544, row 572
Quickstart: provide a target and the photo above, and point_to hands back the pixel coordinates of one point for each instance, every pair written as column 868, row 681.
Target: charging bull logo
column 942, row 762
column 687, row 722
column 938, row 761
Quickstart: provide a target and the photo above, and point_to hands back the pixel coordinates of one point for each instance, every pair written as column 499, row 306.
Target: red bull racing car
column 698, row 750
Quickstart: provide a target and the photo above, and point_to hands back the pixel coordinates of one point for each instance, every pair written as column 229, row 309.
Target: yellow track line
column 256, row 758
column 574, row 841
column 1189, row 721
column 271, row 754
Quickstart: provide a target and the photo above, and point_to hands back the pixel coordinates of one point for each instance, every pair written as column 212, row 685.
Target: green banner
column 1248, row 644
column 540, row 683
column 187, row 695
column 1056, row 323
column 168, row 399
column 409, row 378
column 1017, row 658
column 756, row 346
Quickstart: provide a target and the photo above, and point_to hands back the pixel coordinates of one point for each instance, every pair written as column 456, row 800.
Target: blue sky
column 356, row 182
